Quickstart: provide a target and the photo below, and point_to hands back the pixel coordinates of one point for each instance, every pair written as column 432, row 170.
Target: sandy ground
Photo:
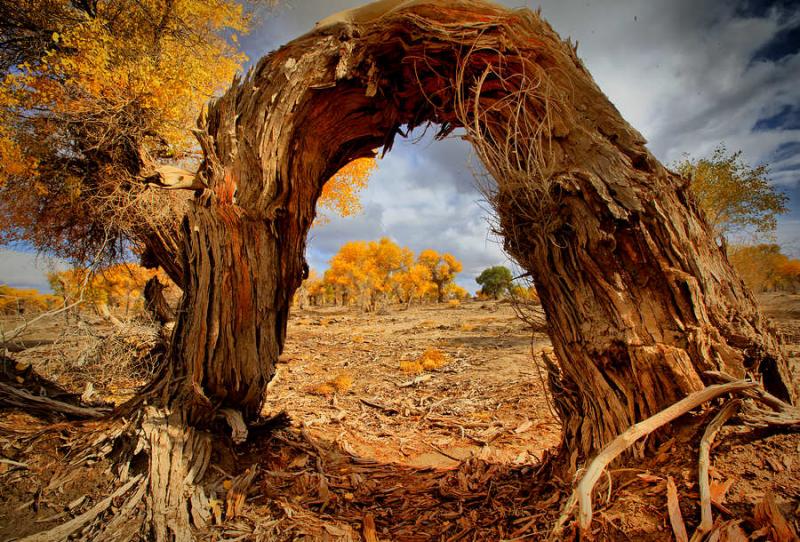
column 391, row 444
column 487, row 401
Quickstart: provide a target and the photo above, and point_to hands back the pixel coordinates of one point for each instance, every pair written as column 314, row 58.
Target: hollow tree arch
column 640, row 300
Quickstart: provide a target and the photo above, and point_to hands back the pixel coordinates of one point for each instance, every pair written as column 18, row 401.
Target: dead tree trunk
column 639, row 298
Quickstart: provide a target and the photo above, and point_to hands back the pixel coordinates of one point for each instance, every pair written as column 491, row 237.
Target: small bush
column 342, row 382
column 432, row 359
column 324, row 389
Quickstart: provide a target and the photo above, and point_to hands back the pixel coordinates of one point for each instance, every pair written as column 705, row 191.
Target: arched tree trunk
column 639, row 298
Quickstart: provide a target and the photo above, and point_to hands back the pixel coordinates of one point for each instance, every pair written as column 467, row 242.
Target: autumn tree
column 114, row 290
column 495, row 281
column 443, row 269
column 365, row 271
column 765, row 268
column 15, row 301
column 412, row 283
column 94, row 97
column 735, row 196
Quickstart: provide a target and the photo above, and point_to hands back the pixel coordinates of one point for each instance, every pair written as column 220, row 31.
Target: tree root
column 783, row 416
column 582, row 494
column 704, row 464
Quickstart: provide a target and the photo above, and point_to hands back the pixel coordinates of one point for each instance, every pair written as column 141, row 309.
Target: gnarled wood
column 639, row 298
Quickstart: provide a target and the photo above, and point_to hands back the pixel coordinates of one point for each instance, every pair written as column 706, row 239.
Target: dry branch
column 63, row 531
column 13, row 397
column 674, row 510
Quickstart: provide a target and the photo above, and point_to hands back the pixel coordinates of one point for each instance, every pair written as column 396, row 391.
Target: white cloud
column 27, row 270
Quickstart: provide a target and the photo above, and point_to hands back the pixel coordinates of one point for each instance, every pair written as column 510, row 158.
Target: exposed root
column 582, row 494
column 704, row 463
column 179, row 456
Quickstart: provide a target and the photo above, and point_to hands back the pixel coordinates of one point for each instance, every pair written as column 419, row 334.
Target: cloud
column 688, row 74
column 27, row 270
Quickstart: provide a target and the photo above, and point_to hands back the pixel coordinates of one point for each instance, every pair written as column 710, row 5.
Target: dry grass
column 433, row 359
column 340, row 384
column 430, row 360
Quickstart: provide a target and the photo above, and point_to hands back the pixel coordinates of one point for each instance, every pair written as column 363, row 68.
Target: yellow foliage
column 340, row 384
column 430, row 360
column 119, row 286
column 20, row 300
column 413, row 367
column 370, row 273
column 364, row 272
column 90, row 89
column 443, row 269
column 433, row 359
column 733, row 195
column 765, row 268
column 340, row 194
column 325, row 389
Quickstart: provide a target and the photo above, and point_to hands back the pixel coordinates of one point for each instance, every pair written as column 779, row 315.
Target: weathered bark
column 232, row 315
column 639, row 298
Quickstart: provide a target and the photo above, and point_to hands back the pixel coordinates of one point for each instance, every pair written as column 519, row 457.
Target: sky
column 688, row 74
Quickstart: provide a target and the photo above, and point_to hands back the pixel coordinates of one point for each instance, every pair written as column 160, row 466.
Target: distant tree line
column 372, row 274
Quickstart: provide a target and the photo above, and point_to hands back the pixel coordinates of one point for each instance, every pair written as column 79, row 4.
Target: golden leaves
column 734, row 195
column 340, row 194
column 369, row 273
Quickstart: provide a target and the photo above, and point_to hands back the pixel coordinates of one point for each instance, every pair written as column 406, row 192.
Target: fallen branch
column 11, row 396
column 704, row 463
column 63, row 531
column 582, row 494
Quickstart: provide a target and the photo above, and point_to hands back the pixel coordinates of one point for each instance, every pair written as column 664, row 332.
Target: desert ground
column 445, row 453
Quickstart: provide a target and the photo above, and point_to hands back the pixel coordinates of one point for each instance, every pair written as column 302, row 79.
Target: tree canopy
column 735, row 196
column 443, row 269
column 95, row 96
column 495, row 281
